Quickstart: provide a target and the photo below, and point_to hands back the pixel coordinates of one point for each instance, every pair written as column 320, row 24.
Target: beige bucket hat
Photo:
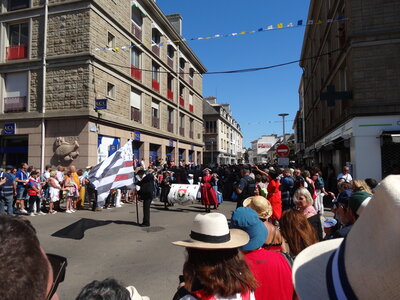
column 211, row 231
column 260, row 204
column 366, row 264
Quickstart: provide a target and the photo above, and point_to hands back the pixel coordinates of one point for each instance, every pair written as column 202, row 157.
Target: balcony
column 136, row 115
column 181, row 73
column 16, row 52
column 191, row 134
column 14, row 104
column 182, row 131
column 191, row 81
column 156, row 49
column 170, row 95
column 191, row 109
column 155, row 122
column 136, row 31
column 155, row 85
column 136, row 73
column 170, row 62
column 170, row 127
column 181, row 101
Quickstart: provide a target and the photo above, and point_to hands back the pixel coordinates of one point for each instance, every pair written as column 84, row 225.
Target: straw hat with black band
column 366, row 264
column 211, row 231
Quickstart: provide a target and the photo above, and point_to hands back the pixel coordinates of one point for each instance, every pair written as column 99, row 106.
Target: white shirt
column 346, row 177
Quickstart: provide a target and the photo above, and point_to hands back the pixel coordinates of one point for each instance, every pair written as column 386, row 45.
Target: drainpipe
column 43, row 124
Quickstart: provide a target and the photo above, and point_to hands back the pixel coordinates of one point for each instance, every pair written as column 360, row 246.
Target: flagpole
column 136, row 200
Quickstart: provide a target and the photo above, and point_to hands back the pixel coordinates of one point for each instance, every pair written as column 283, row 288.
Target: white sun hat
column 211, row 231
column 366, row 264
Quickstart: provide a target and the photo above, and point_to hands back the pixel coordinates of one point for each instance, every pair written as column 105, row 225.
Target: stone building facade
column 223, row 137
column 349, row 90
column 125, row 53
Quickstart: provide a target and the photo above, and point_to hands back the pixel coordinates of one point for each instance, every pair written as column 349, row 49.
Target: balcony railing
column 170, row 127
column 191, row 109
column 182, row 131
column 191, row 134
column 191, row 81
column 181, row 101
column 170, row 95
column 136, row 73
column 155, row 122
column 136, row 114
column 181, row 73
column 170, row 62
column 156, row 49
column 155, row 85
column 137, row 31
column 14, row 104
column 16, row 52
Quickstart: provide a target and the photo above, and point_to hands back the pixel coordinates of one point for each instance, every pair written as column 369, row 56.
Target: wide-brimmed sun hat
column 247, row 219
column 211, row 231
column 261, row 205
column 365, row 265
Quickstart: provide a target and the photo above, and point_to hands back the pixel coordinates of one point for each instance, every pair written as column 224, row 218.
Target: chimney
column 176, row 22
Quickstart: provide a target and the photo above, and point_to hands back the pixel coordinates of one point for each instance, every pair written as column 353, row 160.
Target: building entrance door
column 13, row 150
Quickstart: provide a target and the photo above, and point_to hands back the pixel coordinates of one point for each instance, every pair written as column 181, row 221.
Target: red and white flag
column 116, row 171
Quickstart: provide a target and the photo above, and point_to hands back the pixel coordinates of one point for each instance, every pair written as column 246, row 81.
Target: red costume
column 274, row 197
column 208, row 195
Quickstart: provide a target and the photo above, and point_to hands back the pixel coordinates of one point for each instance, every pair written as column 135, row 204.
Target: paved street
column 143, row 257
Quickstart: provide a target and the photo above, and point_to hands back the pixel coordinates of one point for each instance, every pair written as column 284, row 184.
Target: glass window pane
column 137, row 16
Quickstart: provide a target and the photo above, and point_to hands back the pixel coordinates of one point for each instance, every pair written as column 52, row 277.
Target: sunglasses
column 59, row 266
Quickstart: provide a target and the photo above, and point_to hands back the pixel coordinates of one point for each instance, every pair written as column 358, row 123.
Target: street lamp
column 283, row 115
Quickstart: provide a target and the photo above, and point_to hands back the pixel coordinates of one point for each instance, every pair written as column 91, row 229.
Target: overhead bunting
column 300, row 23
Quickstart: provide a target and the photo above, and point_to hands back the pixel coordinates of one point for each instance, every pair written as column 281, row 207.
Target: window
column 154, row 109
column 190, row 98
column 182, row 63
column 18, row 39
column 170, row 115
column 110, row 90
column 170, row 82
column 155, row 36
column 182, row 120
column 191, row 72
column 170, row 51
column 135, row 57
column 16, row 90
column 137, row 16
column 181, row 90
column 136, row 104
column 110, row 40
column 17, row 4
column 155, row 71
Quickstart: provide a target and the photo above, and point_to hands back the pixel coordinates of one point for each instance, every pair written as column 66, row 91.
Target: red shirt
column 273, row 274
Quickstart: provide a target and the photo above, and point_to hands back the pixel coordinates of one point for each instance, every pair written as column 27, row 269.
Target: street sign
column 100, row 104
column 10, row 128
column 283, row 161
column 282, row 150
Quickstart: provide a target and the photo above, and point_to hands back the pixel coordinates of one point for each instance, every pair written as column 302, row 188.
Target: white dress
column 54, row 192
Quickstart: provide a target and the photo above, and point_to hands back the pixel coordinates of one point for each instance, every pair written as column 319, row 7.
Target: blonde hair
column 361, row 185
column 303, row 192
column 53, row 173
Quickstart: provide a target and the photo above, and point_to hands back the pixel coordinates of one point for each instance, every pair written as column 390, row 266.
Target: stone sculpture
column 64, row 151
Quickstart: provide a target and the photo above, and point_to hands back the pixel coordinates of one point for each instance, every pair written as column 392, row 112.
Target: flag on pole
column 114, row 172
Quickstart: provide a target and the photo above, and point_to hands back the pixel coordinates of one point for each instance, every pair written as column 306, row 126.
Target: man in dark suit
column 146, row 184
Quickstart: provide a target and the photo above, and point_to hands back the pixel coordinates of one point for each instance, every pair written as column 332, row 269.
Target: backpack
column 319, row 183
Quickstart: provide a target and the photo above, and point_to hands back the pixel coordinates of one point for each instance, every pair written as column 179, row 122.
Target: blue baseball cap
column 247, row 219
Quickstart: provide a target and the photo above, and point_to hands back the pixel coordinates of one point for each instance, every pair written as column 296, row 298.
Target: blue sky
column 256, row 97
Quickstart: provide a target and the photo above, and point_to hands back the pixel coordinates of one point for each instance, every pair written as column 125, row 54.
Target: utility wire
column 240, row 70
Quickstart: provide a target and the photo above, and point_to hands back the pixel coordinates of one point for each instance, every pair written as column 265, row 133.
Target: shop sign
column 171, row 143
column 100, row 104
column 137, row 136
column 10, row 128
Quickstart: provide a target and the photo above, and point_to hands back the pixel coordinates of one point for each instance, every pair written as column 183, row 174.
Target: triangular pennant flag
column 310, row 22
column 280, row 25
column 299, row 22
column 270, row 27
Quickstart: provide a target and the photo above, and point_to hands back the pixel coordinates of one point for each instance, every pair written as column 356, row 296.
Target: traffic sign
column 282, row 150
